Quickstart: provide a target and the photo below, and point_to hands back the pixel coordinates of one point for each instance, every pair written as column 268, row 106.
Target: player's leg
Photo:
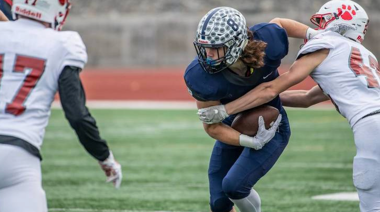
column 250, row 167
column 222, row 158
column 366, row 170
column 251, row 203
column 20, row 181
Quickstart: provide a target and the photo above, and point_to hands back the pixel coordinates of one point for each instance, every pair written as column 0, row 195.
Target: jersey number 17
column 36, row 68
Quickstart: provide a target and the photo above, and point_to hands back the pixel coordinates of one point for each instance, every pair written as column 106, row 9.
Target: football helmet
column 346, row 17
column 50, row 11
column 221, row 27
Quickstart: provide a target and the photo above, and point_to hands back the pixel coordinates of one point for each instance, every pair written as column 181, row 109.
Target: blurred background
column 159, row 33
column 139, row 49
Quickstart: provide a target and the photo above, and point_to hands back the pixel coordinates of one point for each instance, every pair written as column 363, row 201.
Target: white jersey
column 31, row 60
column 349, row 75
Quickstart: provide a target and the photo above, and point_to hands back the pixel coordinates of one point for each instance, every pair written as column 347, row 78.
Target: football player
column 36, row 60
column 232, row 60
column 347, row 73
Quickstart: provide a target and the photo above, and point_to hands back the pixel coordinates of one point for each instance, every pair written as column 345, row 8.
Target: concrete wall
column 159, row 33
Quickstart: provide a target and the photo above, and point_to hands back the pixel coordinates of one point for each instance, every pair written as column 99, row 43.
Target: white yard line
column 104, row 210
column 160, row 105
column 344, row 196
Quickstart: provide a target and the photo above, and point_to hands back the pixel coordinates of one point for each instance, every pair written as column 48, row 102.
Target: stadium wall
column 159, row 33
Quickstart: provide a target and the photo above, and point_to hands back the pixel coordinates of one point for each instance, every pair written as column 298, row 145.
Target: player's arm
column 228, row 135
column 3, row 17
column 303, row 98
column 219, row 131
column 73, row 102
column 266, row 92
column 295, row 29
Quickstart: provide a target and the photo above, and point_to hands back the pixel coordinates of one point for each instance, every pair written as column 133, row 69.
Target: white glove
column 212, row 115
column 310, row 33
column 263, row 135
column 112, row 169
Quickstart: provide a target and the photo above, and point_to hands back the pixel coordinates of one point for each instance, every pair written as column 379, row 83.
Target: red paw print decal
column 346, row 12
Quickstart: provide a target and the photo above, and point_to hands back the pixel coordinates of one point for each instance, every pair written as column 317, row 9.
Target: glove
column 212, row 115
column 263, row 135
column 112, row 169
column 310, row 33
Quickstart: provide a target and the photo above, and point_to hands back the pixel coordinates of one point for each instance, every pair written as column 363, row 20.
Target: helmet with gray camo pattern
column 221, row 27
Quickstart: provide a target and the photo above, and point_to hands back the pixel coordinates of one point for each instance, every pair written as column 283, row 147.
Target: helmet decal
column 346, row 12
column 206, row 22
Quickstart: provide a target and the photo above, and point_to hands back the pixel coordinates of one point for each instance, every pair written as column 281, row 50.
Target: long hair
column 254, row 53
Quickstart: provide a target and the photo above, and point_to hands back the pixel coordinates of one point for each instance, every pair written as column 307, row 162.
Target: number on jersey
column 372, row 73
column 34, row 2
column 23, row 63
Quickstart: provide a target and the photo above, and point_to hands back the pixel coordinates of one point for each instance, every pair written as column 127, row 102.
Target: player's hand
column 263, row 135
column 311, row 33
column 212, row 115
column 112, row 169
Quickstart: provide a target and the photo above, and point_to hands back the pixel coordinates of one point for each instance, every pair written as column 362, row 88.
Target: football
column 247, row 122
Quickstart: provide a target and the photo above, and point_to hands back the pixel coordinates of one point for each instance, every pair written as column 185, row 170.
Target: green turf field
column 165, row 157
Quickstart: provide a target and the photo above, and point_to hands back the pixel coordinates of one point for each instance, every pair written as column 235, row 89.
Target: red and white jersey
column 31, row 60
column 349, row 75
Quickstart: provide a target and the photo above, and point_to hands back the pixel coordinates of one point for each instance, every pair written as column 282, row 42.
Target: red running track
column 144, row 84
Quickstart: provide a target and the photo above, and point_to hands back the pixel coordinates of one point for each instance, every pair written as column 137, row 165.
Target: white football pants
column 20, row 181
column 366, row 170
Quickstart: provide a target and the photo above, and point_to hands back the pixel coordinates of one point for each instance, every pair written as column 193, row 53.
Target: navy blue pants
column 233, row 170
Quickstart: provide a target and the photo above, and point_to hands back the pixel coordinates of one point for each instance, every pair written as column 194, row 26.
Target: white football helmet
column 343, row 16
column 221, row 27
column 50, row 11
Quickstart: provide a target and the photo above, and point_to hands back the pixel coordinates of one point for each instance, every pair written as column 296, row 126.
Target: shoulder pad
column 203, row 86
column 76, row 54
column 275, row 37
column 321, row 41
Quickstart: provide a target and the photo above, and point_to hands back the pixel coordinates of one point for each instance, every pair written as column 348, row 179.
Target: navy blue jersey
column 226, row 86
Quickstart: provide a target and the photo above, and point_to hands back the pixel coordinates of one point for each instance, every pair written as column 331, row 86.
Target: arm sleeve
column 73, row 102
